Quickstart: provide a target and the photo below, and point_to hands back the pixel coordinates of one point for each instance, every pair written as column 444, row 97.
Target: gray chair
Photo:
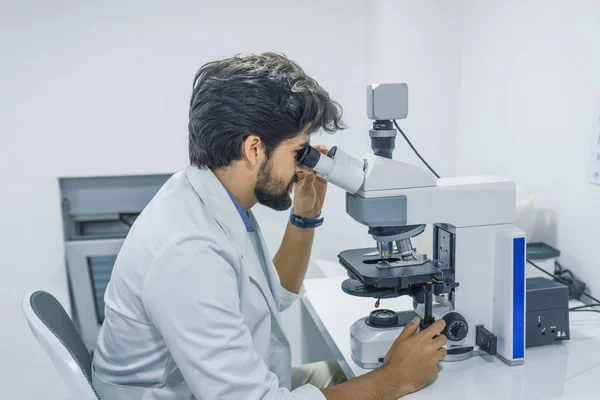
column 55, row 331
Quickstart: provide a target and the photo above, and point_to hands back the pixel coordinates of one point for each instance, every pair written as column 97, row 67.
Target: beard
column 272, row 191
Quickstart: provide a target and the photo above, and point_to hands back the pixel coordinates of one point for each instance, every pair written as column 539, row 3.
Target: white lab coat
column 190, row 314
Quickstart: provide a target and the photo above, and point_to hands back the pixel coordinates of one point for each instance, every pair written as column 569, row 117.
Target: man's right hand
column 411, row 362
column 413, row 359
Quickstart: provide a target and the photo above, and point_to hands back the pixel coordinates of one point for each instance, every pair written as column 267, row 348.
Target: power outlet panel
column 546, row 327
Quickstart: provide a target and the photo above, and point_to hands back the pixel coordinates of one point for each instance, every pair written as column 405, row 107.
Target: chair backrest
column 55, row 331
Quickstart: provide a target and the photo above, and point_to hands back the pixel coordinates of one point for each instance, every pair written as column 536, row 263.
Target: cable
column 559, row 270
column 585, row 306
column 571, row 310
column 415, row 150
column 567, row 271
column 565, row 283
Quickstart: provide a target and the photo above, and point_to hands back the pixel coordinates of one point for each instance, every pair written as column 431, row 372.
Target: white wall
column 419, row 42
column 530, row 78
column 103, row 89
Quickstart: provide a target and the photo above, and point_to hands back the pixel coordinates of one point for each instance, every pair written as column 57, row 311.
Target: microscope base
column 370, row 344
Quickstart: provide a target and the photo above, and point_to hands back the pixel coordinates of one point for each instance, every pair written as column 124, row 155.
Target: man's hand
column 291, row 260
column 413, row 358
column 411, row 362
column 309, row 192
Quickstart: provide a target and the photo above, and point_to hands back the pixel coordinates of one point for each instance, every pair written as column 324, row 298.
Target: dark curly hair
column 267, row 95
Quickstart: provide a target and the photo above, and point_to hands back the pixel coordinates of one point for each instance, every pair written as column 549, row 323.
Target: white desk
column 567, row 371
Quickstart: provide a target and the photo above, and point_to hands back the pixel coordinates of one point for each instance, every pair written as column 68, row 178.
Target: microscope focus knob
column 456, row 327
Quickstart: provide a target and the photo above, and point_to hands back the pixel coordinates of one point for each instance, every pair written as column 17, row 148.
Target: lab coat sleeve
column 191, row 295
column 286, row 298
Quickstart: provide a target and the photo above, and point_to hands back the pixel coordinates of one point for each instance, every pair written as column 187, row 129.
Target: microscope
column 475, row 277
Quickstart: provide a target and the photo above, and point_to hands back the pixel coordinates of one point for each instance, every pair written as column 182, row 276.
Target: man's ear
column 253, row 150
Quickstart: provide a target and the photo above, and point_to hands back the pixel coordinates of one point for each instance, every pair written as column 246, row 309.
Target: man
column 192, row 308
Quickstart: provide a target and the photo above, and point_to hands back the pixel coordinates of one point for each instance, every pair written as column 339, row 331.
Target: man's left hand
column 309, row 191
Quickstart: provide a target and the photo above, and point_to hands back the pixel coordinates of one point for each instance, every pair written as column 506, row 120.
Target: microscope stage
column 369, row 268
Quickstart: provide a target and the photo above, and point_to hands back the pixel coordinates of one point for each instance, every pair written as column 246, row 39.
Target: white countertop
column 570, row 370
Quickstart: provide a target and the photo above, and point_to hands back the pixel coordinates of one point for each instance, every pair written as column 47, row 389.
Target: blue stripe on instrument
column 518, row 298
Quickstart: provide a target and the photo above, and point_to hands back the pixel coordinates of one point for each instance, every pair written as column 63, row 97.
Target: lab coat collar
column 244, row 215
column 214, row 195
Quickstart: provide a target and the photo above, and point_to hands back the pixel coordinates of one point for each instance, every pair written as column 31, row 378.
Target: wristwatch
column 306, row 223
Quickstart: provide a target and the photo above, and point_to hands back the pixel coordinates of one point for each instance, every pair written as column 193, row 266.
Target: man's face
column 278, row 174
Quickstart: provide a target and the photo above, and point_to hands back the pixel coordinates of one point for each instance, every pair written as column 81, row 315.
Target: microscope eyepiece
column 308, row 157
column 337, row 167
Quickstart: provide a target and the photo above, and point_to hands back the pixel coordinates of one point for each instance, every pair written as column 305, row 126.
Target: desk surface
column 570, row 370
